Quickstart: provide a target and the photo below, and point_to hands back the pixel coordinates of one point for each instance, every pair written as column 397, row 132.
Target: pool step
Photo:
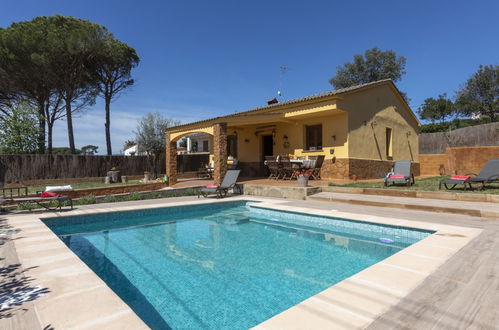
column 476, row 209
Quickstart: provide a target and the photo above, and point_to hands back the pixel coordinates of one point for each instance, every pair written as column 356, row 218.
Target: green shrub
column 188, row 192
column 135, row 196
column 23, row 206
column 452, row 125
column 111, row 199
column 86, row 200
column 154, row 195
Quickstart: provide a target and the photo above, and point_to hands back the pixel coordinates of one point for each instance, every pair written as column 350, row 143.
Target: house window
column 389, row 146
column 313, row 135
column 205, row 146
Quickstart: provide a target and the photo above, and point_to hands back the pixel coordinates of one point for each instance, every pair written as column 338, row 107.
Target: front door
column 267, row 150
column 267, row 146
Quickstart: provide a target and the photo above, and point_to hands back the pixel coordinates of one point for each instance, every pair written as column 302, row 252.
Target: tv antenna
column 283, row 69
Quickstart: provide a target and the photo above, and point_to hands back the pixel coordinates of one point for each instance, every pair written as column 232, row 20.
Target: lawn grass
column 424, row 184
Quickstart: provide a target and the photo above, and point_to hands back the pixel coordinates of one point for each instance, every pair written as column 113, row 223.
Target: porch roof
column 286, row 107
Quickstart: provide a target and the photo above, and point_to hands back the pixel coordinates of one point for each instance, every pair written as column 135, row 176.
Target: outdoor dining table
column 304, row 163
column 301, row 163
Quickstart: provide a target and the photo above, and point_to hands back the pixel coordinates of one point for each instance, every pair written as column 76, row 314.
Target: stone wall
column 462, row 160
column 469, row 159
column 350, row 168
column 433, row 164
column 336, row 168
column 280, row 192
column 219, row 152
column 370, row 169
column 171, row 160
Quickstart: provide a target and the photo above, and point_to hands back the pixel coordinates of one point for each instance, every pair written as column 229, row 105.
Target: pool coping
column 79, row 299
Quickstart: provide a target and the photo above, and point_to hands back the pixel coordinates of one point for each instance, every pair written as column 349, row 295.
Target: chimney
column 272, row 101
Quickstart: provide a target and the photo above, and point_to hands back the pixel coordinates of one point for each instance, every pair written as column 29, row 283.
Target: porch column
column 189, row 145
column 219, row 151
column 171, row 160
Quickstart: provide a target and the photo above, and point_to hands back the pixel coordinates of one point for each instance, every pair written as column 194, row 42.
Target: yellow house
column 361, row 130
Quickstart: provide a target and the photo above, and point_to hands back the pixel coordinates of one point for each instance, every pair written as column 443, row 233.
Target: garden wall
column 480, row 135
column 461, row 160
column 42, row 167
column 55, row 169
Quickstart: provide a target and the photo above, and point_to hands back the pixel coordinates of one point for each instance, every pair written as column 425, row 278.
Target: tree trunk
column 41, row 127
column 108, row 125
column 154, row 170
column 50, row 126
column 69, row 120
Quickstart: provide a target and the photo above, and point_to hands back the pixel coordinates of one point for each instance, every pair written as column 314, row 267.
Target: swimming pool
column 223, row 265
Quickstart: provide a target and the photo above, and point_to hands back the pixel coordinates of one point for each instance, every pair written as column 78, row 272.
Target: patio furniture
column 454, row 180
column 402, row 173
column 287, row 170
column 221, row 190
column 204, row 172
column 273, row 166
column 41, row 200
column 488, row 174
column 234, row 164
column 21, row 191
column 316, row 171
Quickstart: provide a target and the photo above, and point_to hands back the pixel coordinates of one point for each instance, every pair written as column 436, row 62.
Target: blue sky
column 201, row 59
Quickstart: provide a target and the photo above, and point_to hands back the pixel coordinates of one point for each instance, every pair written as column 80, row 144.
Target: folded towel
column 396, row 176
column 460, row 177
column 212, row 186
column 58, row 188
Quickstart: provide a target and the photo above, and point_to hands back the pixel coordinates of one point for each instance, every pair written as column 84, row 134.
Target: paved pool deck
column 448, row 280
column 477, row 209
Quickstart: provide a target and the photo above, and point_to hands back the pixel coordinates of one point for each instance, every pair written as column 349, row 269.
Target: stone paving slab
column 476, row 209
column 77, row 300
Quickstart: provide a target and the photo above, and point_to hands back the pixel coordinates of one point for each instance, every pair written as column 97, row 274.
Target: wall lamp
column 286, row 142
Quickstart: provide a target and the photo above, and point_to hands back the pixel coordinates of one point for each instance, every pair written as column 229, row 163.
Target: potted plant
column 302, row 176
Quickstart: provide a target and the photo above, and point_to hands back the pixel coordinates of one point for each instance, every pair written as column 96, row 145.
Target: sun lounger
column 59, row 201
column 221, row 191
column 488, row 174
column 402, row 173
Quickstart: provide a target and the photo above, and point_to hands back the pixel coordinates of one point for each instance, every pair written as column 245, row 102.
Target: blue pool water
column 226, row 265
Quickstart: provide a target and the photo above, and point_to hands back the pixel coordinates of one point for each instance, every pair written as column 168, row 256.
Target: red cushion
column 212, row 186
column 396, row 176
column 460, row 177
column 49, row 194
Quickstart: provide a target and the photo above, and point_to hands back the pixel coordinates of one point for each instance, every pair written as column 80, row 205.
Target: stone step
column 476, row 209
column 443, row 194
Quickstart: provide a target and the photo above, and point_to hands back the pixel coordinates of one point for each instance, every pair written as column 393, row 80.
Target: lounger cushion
column 397, row 176
column 212, row 186
column 49, row 194
column 460, row 177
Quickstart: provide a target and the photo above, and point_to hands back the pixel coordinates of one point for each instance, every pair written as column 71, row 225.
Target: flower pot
column 302, row 180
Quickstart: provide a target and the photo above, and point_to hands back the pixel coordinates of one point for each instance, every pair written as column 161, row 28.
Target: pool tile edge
column 314, row 312
column 356, row 310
